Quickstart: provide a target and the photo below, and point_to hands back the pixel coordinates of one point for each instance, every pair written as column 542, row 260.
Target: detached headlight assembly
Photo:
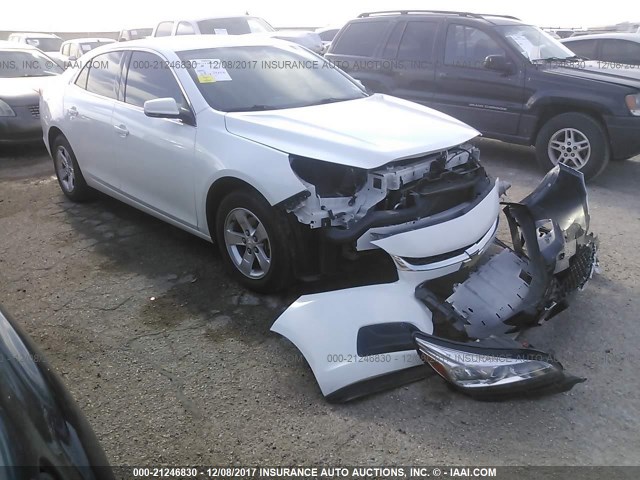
column 633, row 103
column 6, row 110
column 490, row 371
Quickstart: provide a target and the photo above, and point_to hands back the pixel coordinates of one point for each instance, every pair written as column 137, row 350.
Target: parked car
column 43, row 434
column 25, row 69
column 292, row 171
column 73, row 49
column 46, row 42
column 239, row 25
column 511, row 81
column 616, row 48
column 134, row 34
column 327, row 35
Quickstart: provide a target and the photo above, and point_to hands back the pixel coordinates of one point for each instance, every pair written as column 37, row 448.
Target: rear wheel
column 253, row 241
column 576, row 140
column 68, row 171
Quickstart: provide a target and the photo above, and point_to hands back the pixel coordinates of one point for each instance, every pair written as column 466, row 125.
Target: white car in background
column 46, row 42
column 293, row 171
column 238, row 25
column 71, row 50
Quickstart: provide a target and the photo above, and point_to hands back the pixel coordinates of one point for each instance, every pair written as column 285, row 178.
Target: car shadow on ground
column 129, row 242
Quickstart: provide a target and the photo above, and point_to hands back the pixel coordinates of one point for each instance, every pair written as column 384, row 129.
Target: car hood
column 22, row 91
column 364, row 133
column 599, row 71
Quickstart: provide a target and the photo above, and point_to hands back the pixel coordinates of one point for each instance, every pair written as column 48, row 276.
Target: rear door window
column 417, row 41
column 361, row 38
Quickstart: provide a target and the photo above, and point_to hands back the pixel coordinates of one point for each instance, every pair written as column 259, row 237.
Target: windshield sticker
column 220, row 31
column 532, row 51
column 211, row 71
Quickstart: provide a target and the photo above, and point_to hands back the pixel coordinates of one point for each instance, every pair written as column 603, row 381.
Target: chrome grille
column 35, row 110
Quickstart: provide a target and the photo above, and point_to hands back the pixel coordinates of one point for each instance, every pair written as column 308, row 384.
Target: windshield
column 240, row 79
column 534, row 43
column 45, row 44
column 234, row 26
column 23, row 63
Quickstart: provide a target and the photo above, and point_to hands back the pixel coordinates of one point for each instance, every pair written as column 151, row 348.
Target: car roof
column 489, row 18
column 36, row 34
column 90, row 39
column 200, row 19
column 5, row 45
column 634, row 37
column 193, row 42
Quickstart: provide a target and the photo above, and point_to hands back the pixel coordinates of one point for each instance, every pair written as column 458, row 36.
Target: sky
column 112, row 15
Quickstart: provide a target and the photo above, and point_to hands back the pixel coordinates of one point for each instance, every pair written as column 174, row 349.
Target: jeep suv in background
column 511, row 81
column 238, row 25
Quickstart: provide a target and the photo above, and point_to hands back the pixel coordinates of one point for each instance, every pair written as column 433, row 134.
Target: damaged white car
column 292, row 169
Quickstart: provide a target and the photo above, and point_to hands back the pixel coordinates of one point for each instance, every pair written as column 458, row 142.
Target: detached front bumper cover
column 459, row 315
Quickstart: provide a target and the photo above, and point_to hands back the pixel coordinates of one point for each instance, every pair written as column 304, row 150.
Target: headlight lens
column 6, row 110
column 482, row 371
column 633, row 103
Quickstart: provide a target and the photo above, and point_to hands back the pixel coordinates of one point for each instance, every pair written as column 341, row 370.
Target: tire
column 576, row 139
column 68, row 171
column 245, row 256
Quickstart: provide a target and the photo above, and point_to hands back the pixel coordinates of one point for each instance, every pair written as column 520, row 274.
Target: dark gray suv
column 509, row 80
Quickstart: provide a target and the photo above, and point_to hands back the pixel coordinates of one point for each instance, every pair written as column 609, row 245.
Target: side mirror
column 161, row 108
column 497, row 63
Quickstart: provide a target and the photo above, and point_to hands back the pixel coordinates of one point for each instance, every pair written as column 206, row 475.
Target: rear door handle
column 122, row 130
column 72, row 112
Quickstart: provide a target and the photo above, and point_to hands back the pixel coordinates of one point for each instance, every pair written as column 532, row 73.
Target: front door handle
column 122, row 130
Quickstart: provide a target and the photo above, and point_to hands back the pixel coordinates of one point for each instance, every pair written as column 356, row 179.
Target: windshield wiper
column 574, row 58
column 324, row 101
column 253, row 108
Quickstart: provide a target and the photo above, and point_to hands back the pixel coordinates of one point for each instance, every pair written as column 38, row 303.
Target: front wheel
column 576, row 140
column 253, row 241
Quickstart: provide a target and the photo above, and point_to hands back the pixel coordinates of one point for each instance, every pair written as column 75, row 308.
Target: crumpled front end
column 461, row 298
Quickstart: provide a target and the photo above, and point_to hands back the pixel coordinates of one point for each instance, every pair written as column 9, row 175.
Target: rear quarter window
column 360, row 38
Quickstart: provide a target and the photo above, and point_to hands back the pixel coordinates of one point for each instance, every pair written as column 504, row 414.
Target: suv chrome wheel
column 571, row 147
column 247, row 242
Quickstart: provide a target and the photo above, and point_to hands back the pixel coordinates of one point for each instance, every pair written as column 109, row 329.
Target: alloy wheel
column 569, row 146
column 247, row 243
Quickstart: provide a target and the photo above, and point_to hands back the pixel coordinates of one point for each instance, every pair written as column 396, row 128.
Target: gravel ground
column 173, row 363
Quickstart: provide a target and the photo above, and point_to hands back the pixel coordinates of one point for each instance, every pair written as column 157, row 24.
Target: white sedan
column 285, row 162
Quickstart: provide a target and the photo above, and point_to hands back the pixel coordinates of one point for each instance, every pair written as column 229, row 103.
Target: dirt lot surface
column 173, row 363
